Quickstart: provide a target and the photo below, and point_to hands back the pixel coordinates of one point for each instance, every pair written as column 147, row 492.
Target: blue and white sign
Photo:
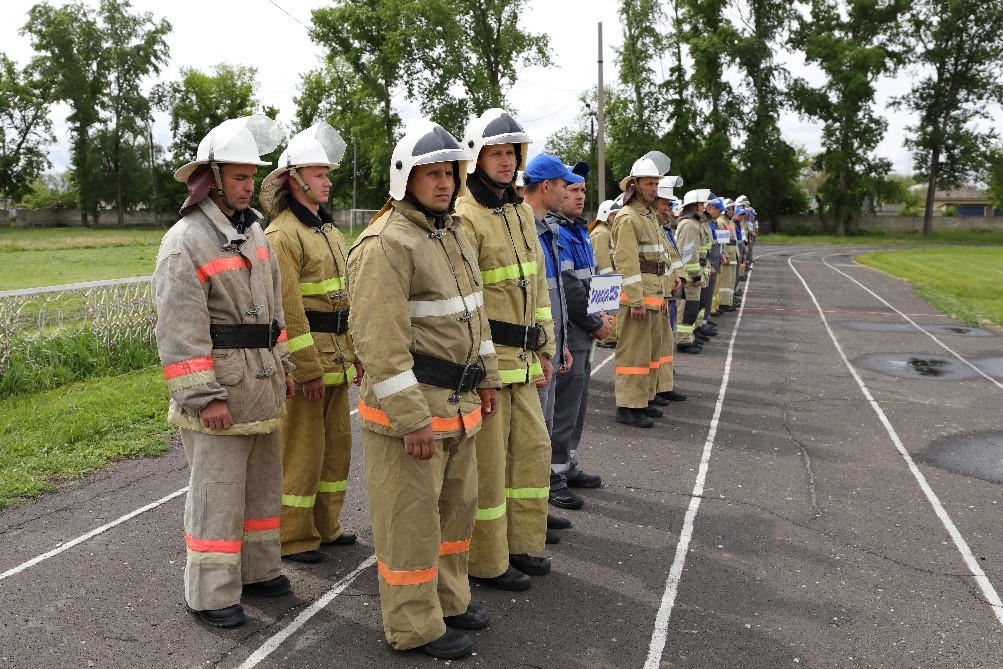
column 604, row 294
column 723, row 237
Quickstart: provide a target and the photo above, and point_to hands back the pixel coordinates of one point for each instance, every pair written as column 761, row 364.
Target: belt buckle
column 472, row 376
column 274, row 332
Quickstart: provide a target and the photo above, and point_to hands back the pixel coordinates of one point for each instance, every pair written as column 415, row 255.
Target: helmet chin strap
column 303, row 185
column 219, row 180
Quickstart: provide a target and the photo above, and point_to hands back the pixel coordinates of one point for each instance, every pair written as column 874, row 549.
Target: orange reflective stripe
column 655, row 364
column 666, row 359
column 654, row 301
column 212, row 545
column 472, row 418
column 206, row 271
column 450, row 547
column 623, row 297
column 412, row 577
column 633, row 370
column 373, row 415
column 263, row 253
column 258, row 524
column 193, row 366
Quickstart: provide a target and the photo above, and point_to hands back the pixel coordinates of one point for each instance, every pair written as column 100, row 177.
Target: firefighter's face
column 317, row 178
column 648, row 188
column 432, row 185
column 499, row 162
column 238, row 186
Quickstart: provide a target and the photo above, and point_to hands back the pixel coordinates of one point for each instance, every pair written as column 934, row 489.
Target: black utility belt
column 652, row 267
column 328, row 321
column 245, row 335
column 529, row 337
column 443, row 374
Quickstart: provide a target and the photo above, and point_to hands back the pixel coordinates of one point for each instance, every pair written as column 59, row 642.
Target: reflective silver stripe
column 650, row 248
column 583, row 273
column 448, row 307
column 487, row 348
column 395, row 384
column 608, row 270
column 566, row 265
column 676, row 265
column 631, row 280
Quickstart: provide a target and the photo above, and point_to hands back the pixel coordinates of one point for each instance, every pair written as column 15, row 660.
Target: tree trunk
column 119, row 209
column 931, row 188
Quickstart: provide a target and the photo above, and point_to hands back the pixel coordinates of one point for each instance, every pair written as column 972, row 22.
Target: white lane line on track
column 916, row 325
column 104, row 528
column 93, row 533
column 661, row 632
column 273, row 642
column 966, row 552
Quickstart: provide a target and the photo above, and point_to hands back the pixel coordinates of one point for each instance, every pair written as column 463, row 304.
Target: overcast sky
column 546, row 98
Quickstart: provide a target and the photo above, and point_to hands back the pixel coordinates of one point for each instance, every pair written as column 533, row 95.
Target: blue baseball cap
column 545, row 167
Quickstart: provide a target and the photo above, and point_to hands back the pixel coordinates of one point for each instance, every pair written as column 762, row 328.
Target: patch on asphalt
column 755, row 326
column 976, row 454
column 916, row 366
column 940, row 329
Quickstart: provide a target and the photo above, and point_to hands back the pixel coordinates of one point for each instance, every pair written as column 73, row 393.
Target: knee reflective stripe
column 683, row 328
column 628, row 371
column 527, row 493
column 655, row 364
column 262, row 529
column 331, row 486
column 340, row 378
column 492, row 513
column 451, row 547
column 299, row 501
column 213, row 551
column 665, row 360
column 409, row 577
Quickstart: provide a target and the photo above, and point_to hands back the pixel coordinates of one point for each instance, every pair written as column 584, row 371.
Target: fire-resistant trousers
column 638, row 352
column 665, row 377
column 316, row 455
column 690, row 311
column 423, row 515
column 729, row 277
column 231, row 515
column 569, row 419
column 513, row 482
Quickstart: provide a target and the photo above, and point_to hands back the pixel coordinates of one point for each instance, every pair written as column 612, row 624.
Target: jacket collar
column 224, row 225
column 486, row 197
column 307, row 217
column 411, row 213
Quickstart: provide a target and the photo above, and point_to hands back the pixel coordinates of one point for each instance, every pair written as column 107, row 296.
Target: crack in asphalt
column 806, row 461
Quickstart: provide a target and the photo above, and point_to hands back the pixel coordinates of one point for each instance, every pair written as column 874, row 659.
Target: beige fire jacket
column 313, row 266
column 417, row 289
column 602, row 247
column 209, row 273
column 636, row 237
column 513, row 271
column 689, row 240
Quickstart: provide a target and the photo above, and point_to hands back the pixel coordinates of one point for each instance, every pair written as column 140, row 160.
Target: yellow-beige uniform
column 212, row 282
column 688, row 240
column 706, row 242
column 602, row 247
column 729, row 263
column 666, row 380
column 513, row 449
column 640, row 257
column 316, row 434
column 416, row 295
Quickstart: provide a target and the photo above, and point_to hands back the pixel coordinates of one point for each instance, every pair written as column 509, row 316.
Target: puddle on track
column 977, row 454
column 916, row 366
column 938, row 329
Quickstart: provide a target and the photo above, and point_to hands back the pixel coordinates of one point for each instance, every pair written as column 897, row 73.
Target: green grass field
column 978, row 237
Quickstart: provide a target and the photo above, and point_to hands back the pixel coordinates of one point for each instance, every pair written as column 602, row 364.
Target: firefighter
column 513, row 451
column 578, row 266
column 316, row 433
column 221, row 338
column 729, row 261
column 601, row 236
column 431, row 379
column 675, row 278
column 710, row 253
column 688, row 240
column 639, row 255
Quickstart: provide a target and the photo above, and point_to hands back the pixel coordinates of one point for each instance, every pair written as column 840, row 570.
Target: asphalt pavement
column 828, row 496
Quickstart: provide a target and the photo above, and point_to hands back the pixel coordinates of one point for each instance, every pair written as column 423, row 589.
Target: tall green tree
column 681, row 140
column 25, row 129
column 135, row 48
column 959, row 56
column 853, row 42
column 636, row 127
column 70, row 57
column 477, row 46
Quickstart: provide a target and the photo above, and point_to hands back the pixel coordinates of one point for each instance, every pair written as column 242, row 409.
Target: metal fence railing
column 114, row 311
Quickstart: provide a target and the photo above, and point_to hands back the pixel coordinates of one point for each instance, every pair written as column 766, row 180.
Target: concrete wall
column 899, row 224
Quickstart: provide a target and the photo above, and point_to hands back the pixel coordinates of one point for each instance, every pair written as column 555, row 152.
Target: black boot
column 449, row 646
column 630, row 417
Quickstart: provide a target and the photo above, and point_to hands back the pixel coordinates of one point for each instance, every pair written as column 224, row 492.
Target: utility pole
column 601, row 149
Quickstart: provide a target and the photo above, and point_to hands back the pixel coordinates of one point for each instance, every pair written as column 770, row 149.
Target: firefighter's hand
column 216, row 416
column 489, row 402
column 637, row 313
column 360, row 371
column 664, row 307
column 290, row 387
column 548, row 371
column 314, row 388
column 420, row 444
column 603, row 332
column 566, row 363
column 678, row 287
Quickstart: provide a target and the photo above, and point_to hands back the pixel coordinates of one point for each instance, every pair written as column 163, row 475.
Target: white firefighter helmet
column 702, row 195
column 666, row 186
column 741, row 199
column 424, row 143
column 495, row 126
column 729, row 203
column 239, row 141
column 677, row 208
column 651, row 164
column 319, row 145
column 606, row 208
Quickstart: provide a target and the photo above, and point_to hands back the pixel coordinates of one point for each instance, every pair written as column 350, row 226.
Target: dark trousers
column 570, row 406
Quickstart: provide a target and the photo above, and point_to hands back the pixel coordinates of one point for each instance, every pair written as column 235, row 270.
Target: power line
column 284, row 11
